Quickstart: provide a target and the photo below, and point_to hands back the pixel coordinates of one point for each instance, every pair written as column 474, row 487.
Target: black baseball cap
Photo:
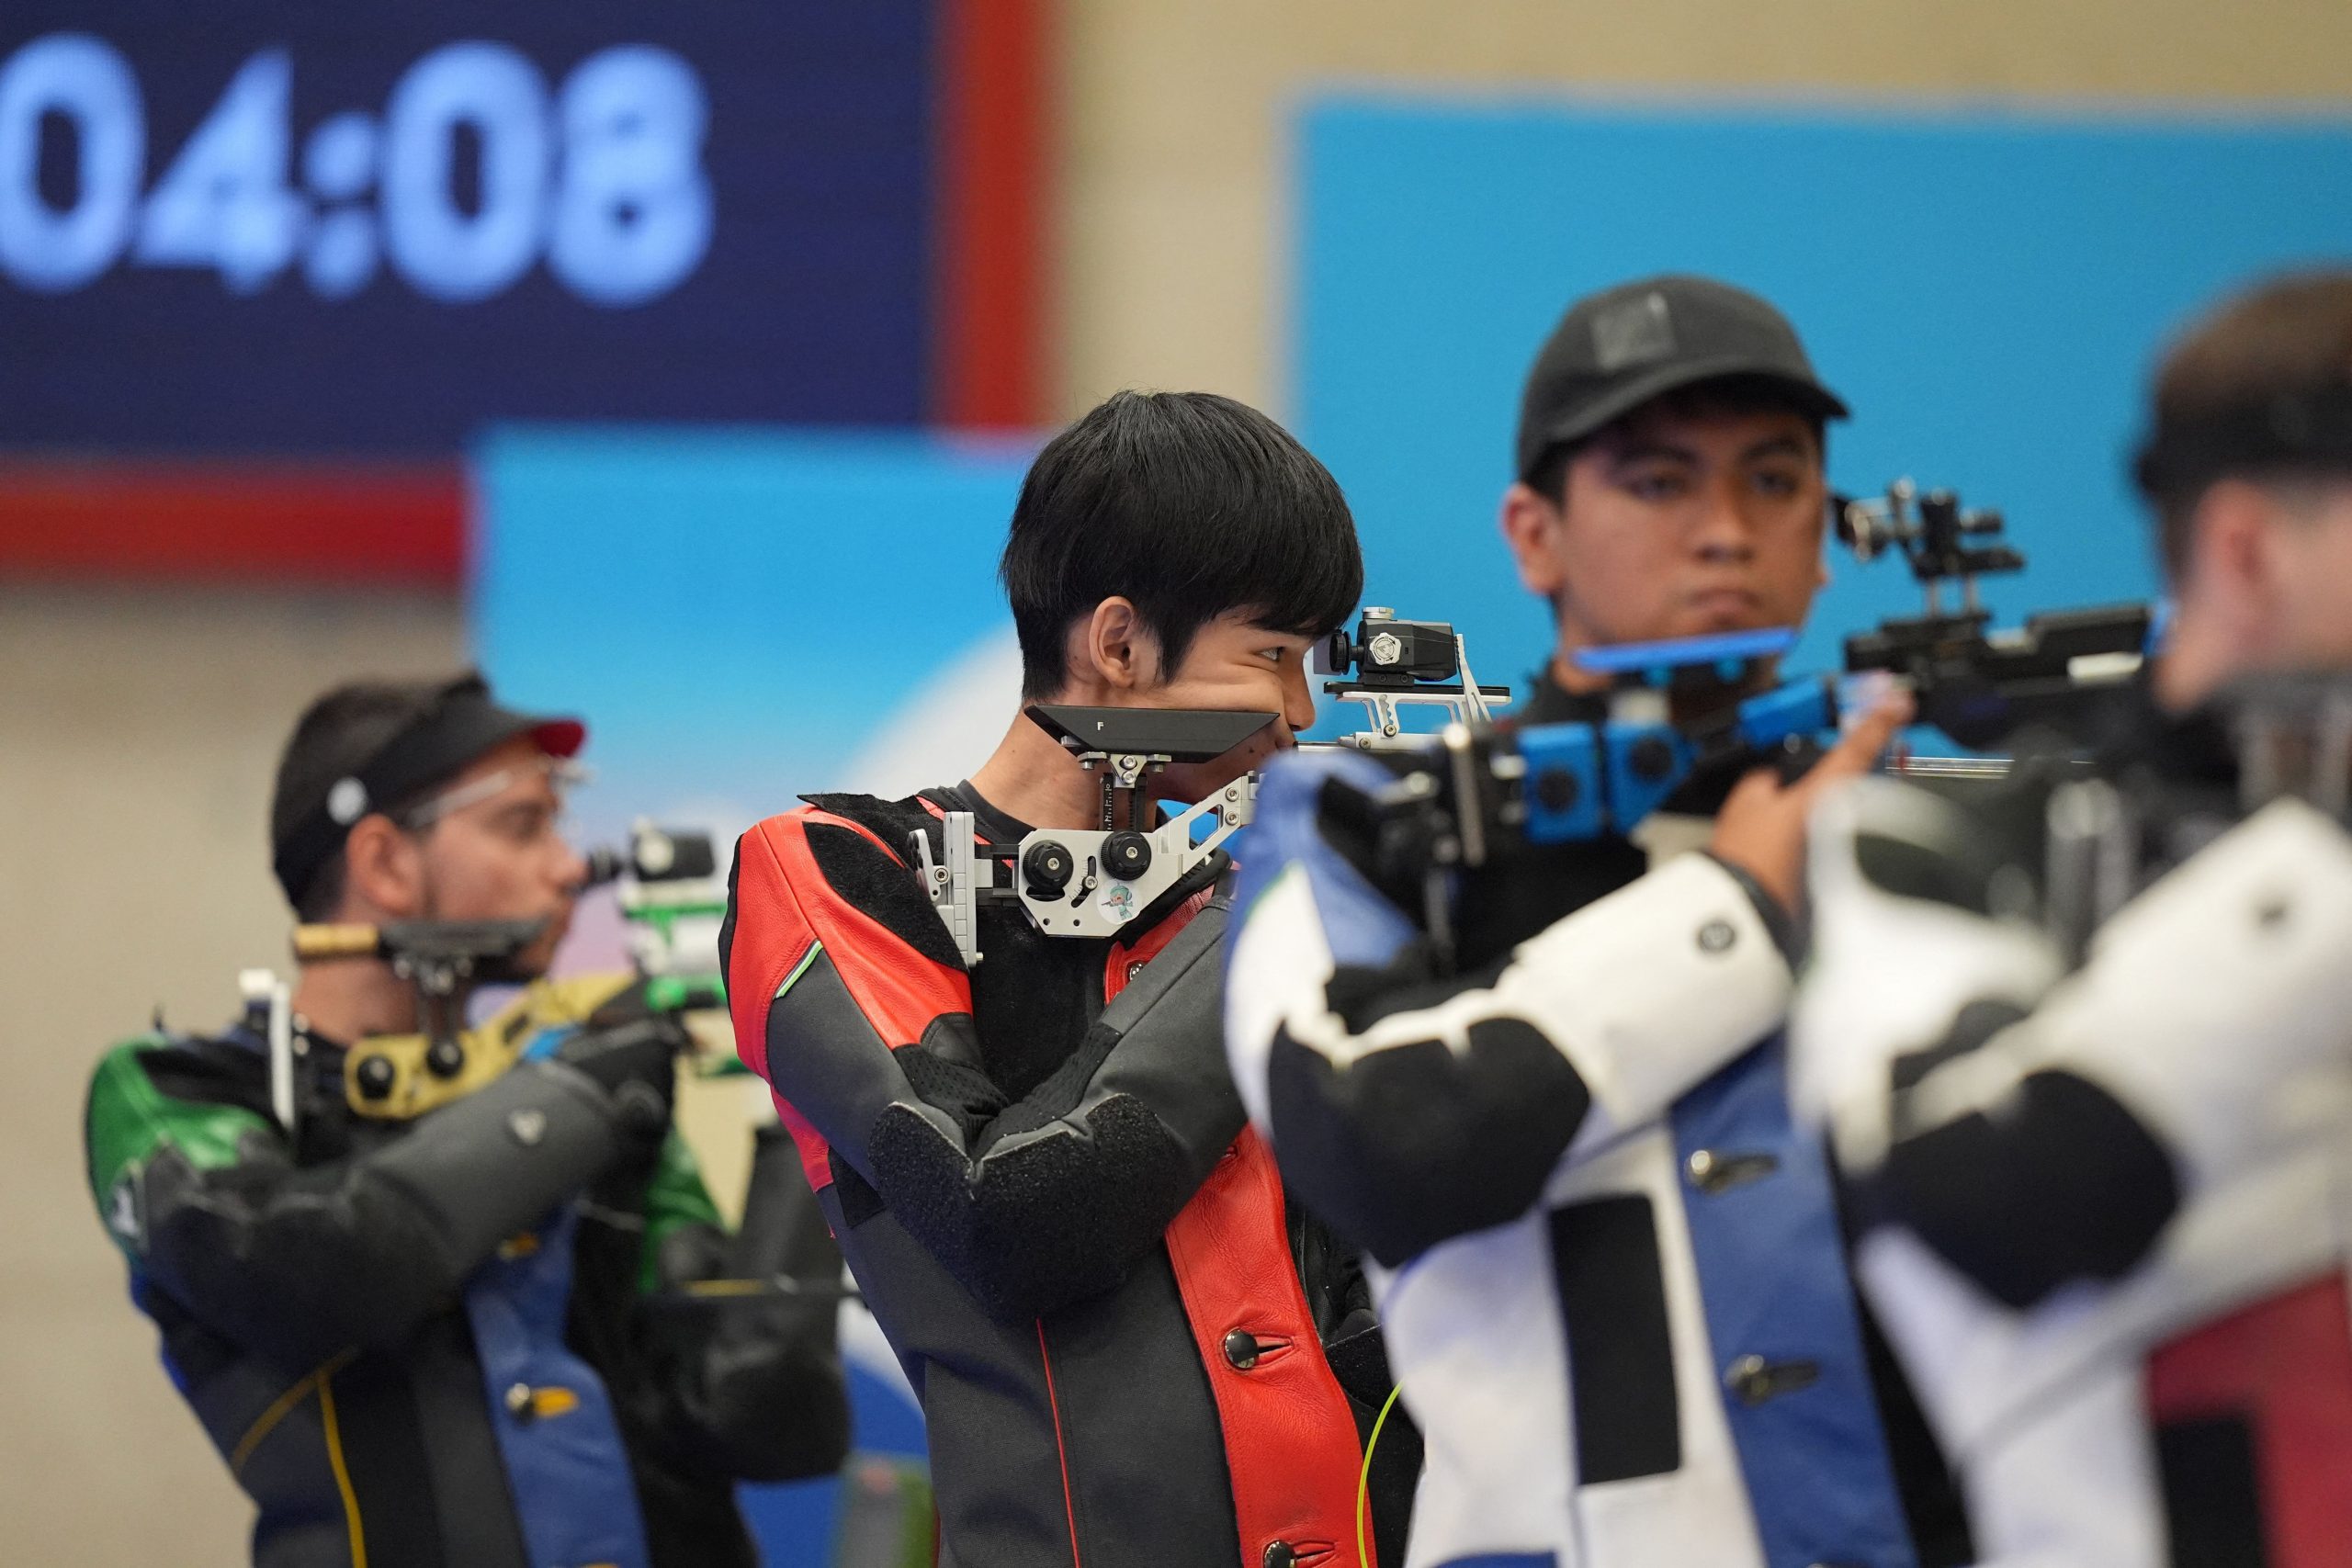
column 1616, row 350
column 464, row 722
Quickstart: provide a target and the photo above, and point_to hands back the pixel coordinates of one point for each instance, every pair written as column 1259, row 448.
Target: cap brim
column 494, row 726
column 558, row 737
column 1811, row 395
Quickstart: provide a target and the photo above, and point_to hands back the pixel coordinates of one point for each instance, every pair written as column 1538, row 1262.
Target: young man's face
column 1234, row 663
column 1675, row 525
column 497, row 852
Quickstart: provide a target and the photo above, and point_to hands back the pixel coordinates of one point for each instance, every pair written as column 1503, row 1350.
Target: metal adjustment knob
column 1556, row 789
column 1048, row 866
column 1126, row 855
column 444, row 1059
column 1650, row 758
column 374, row 1077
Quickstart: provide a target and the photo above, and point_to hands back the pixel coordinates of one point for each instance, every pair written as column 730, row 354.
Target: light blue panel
column 1987, row 289
column 736, row 612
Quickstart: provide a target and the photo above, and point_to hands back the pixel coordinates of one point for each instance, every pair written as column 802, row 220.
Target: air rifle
column 2106, row 839
column 668, row 893
column 1978, row 685
column 1478, row 790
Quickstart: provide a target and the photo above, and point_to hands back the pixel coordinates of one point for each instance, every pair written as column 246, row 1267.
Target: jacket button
column 1753, row 1380
column 1242, row 1350
column 1280, row 1554
column 1711, row 1171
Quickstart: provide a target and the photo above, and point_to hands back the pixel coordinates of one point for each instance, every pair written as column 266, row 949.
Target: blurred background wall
column 143, row 692
column 1173, row 230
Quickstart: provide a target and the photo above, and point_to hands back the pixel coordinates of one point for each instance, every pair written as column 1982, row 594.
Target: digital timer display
column 263, row 224
column 602, row 178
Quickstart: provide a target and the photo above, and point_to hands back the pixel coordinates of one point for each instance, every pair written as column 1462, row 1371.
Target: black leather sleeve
column 296, row 1264
column 1419, row 1143
column 2064, row 1184
column 1053, row 1196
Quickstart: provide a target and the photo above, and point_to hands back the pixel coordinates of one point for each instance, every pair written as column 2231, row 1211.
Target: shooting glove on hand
column 636, row 1062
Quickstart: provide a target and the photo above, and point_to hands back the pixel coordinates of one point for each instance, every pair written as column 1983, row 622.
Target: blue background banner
column 746, row 616
column 1987, row 291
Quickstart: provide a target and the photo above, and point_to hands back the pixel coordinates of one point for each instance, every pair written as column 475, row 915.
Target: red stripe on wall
column 351, row 524
column 990, row 282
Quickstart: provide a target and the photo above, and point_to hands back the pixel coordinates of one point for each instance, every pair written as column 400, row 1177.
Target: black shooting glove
column 636, row 1062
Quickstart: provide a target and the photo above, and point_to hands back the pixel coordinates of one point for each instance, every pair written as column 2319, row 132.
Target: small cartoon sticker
column 1118, row 902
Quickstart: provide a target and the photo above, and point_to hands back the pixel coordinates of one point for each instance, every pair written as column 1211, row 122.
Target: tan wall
column 136, row 727
column 137, row 734
column 1174, row 114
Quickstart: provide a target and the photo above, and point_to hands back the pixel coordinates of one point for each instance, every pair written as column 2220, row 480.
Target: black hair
column 2287, row 339
column 1189, row 504
column 1717, row 397
column 336, row 735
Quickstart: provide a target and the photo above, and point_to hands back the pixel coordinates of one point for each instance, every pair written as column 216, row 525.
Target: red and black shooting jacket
column 1044, row 1180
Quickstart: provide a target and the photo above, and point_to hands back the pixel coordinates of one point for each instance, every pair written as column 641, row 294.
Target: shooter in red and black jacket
column 1131, row 1350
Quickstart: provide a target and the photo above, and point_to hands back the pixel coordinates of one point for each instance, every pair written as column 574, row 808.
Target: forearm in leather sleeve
column 298, row 1264
column 1053, row 1196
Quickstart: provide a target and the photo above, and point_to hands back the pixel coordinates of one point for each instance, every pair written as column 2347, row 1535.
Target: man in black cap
column 1613, row 1275
column 454, row 1337
column 1670, row 483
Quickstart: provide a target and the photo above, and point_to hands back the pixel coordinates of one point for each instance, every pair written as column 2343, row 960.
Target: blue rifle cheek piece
column 1727, row 650
column 1802, row 708
column 1563, row 788
column 1362, row 929
column 1645, row 763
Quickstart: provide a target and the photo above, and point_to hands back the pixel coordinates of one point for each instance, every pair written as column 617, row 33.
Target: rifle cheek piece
column 1119, row 867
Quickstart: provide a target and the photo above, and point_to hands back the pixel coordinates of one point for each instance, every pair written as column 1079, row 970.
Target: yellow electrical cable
column 1364, row 1483
column 279, row 1409
column 341, row 1474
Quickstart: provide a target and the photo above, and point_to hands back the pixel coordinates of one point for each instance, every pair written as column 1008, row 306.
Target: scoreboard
column 271, row 226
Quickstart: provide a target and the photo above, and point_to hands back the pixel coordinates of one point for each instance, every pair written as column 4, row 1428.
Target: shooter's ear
column 1117, row 648
column 2235, row 562
column 1530, row 527
column 383, row 871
